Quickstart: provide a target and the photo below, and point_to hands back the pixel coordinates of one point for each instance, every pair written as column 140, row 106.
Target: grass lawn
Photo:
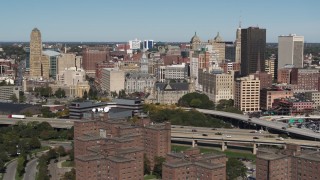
column 228, row 153
column 67, row 164
column 146, row 177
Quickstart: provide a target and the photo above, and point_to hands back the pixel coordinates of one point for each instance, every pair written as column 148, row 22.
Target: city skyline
column 101, row 21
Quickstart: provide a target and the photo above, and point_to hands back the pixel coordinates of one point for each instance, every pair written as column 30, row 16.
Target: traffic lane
column 245, row 138
column 31, row 170
column 11, row 170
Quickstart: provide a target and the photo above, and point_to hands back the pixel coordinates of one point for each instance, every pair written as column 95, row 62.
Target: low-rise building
column 314, row 97
column 6, row 92
column 268, row 95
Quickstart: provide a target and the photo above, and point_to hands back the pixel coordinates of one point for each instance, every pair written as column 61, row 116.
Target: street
column 31, row 170
column 11, row 171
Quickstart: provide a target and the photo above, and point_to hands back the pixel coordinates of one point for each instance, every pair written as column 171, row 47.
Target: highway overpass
column 56, row 123
column 279, row 126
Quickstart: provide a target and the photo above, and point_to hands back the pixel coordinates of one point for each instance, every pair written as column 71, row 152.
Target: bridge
column 279, row 126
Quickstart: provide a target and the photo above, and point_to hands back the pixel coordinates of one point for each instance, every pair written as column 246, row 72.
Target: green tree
column 34, row 143
column 14, row 98
column 195, row 103
column 2, row 166
column 146, row 164
column 21, row 165
column 61, row 151
column 235, row 169
column 85, row 95
column 157, row 170
column 206, row 103
column 60, row 93
column 71, row 175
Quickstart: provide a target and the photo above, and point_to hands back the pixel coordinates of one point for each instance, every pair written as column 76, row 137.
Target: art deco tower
column 238, row 45
column 39, row 64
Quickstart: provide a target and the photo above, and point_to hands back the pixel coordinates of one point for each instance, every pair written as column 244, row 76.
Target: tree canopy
column 235, row 169
column 196, row 100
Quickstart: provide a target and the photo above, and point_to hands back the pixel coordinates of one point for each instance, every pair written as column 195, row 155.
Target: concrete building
column 68, row 60
column 6, row 92
column 176, row 71
column 192, row 164
column 291, row 163
column 92, row 56
column 305, row 79
column 314, row 97
column 147, row 44
column 219, row 46
column 99, row 68
column 138, row 82
column 217, row 85
column 271, row 66
column 268, row 95
column 144, row 64
column 290, row 50
column 265, row 79
column 253, row 45
column 238, row 45
column 114, row 148
column 135, row 44
column 53, row 62
column 247, row 94
column 39, row 63
column 112, row 80
column 72, row 81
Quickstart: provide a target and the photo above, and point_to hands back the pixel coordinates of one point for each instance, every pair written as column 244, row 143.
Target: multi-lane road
column 269, row 124
column 234, row 135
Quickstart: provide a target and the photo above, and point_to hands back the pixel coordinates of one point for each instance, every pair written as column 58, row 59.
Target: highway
column 184, row 133
column 269, row 124
column 68, row 123
column 56, row 123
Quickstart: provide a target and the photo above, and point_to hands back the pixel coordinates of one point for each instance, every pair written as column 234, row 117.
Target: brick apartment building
column 193, row 165
column 291, row 163
column 114, row 149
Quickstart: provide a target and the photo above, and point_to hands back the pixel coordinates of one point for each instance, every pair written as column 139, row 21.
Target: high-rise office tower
column 253, row 45
column 39, row 64
column 290, row 50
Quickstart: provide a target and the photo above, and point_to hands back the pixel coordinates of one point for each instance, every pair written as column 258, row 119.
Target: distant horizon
column 168, row 21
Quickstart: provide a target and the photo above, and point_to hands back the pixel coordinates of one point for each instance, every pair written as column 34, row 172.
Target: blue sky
column 160, row 20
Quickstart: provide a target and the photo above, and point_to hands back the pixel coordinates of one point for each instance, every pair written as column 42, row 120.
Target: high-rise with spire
column 238, row 45
column 39, row 64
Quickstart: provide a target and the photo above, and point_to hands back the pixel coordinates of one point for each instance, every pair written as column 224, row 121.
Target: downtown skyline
column 99, row 21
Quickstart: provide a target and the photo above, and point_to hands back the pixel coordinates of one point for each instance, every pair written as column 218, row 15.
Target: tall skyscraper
column 253, row 45
column 238, row 45
column 290, row 50
column 39, row 64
